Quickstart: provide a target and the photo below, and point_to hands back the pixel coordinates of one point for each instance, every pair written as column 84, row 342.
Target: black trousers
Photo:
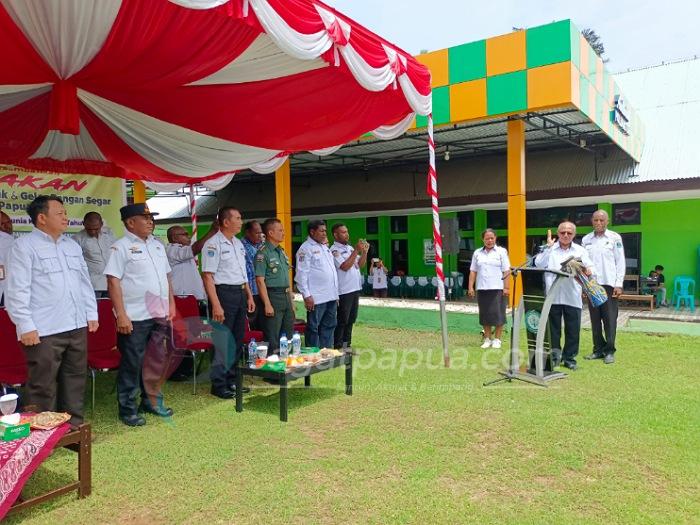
column 282, row 321
column 134, row 373
column 228, row 336
column 348, row 305
column 604, row 321
column 57, row 372
column 572, row 330
column 257, row 318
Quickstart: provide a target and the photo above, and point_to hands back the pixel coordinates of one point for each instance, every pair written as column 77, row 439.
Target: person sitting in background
column 379, row 282
column 658, row 274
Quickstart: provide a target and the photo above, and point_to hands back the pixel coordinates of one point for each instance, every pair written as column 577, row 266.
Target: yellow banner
column 80, row 194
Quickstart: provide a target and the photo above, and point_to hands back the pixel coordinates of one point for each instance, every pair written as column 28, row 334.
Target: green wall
column 671, row 237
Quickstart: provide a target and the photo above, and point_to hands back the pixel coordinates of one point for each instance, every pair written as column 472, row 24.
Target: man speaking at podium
column 567, row 301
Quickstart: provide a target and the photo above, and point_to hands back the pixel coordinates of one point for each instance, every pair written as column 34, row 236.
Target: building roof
column 667, row 99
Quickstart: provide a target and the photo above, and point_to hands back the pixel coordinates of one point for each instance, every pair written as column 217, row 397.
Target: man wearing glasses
column 182, row 256
column 567, row 301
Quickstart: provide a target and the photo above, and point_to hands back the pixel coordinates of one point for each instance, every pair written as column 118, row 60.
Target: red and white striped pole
column 193, row 212
column 437, row 239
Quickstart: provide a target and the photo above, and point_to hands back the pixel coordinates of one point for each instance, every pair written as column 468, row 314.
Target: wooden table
column 78, row 441
column 291, row 374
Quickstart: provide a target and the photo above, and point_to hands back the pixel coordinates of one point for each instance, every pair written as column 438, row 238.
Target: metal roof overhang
column 545, row 130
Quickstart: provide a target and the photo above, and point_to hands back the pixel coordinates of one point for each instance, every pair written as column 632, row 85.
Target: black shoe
column 223, row 393
column 133, row 420
column 594, row 355
column 158, row 411
column 244, row 389
column 556, row 357
column 609, row 359
column 571, row 366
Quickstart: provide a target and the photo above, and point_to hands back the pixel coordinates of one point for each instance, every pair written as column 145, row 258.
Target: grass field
column 416, row 443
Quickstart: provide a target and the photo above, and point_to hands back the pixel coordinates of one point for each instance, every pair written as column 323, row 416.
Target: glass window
column 399, row 256
column 551, row 217
column 633, row 252
column 497, row 219
column 373, row 249
column 466, row 251
column 627, row 213
column 399, row 224
column 372, row 225
column 296, row 229
column 465, row 220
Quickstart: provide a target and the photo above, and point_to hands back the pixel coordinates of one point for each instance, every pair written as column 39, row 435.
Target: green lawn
column 416, row 443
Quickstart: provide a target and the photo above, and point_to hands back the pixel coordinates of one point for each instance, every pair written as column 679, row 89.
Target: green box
column 506, row 93
column 10, row 432
column 549, row 44
column 441, row 108
column 467, row 62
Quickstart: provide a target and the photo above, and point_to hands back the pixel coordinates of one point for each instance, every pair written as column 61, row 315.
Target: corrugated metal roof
column 667, row 99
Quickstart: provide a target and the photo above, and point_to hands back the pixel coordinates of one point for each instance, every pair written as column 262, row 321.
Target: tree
column 596, row 43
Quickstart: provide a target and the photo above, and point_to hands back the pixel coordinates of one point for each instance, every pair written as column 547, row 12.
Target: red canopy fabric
column 190, row 90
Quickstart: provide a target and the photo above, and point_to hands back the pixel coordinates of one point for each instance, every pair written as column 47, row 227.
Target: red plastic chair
column 252, row 334
column 102, row 352
column 13, row 363
column 190, row 332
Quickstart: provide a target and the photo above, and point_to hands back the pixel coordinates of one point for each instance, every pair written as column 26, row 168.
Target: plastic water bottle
column 296, row 344
column 252, row 352
column 284, row 346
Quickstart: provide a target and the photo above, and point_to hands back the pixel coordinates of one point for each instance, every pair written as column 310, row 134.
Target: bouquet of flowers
column 595, row 292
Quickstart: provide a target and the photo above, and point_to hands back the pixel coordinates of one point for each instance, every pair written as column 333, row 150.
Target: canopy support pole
column 437, row 240
column 283, row 200
column 139, row 190
column 193, row 212
column 516, row 198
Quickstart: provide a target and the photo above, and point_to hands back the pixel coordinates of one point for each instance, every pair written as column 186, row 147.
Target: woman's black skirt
column 492, row 307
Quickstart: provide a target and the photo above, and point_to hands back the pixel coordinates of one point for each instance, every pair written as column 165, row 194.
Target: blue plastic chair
column 684, row 291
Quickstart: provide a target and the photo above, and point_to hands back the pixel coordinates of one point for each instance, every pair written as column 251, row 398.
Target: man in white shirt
column 6, row 240
column 95, row 240
column 317, row 281
column 139, row 286
column 182, row 257
column 379, row 273
column 51, row 302
column 608, row 255
column 226, row 284
column 348, row 261
column 567, row 301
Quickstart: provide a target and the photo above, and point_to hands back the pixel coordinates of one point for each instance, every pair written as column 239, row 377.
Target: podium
column 533, row 311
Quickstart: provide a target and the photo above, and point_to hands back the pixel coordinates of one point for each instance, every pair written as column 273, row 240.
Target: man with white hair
column 608, row 255
column 567, row 303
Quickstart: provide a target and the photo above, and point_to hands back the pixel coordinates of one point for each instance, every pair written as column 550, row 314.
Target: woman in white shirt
column 379, row 281
column 489, row 270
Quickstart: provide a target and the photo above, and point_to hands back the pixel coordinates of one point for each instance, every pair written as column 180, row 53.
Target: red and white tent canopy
column 190, row 90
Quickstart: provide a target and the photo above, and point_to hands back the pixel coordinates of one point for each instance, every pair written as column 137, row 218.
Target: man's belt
column 231, row 286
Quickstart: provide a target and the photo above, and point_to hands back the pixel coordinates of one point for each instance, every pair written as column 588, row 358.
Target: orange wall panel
column 506, row 53
column 549, row 85
column 436, row 61
column 468, row 100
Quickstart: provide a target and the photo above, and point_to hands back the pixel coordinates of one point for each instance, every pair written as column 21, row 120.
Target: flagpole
column 437, row 240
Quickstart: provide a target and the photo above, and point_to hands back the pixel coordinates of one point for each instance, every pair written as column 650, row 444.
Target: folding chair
column 189, row 332
column 102, row 352
column 13, row 363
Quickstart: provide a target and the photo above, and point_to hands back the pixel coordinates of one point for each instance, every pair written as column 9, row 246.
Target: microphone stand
column 511, row 372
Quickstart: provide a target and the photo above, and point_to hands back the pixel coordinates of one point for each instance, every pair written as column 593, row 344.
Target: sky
column 635, row 33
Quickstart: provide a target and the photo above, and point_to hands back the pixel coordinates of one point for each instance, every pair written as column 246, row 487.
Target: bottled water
column 252, row 352
column 296, row 344
column 284, row 346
